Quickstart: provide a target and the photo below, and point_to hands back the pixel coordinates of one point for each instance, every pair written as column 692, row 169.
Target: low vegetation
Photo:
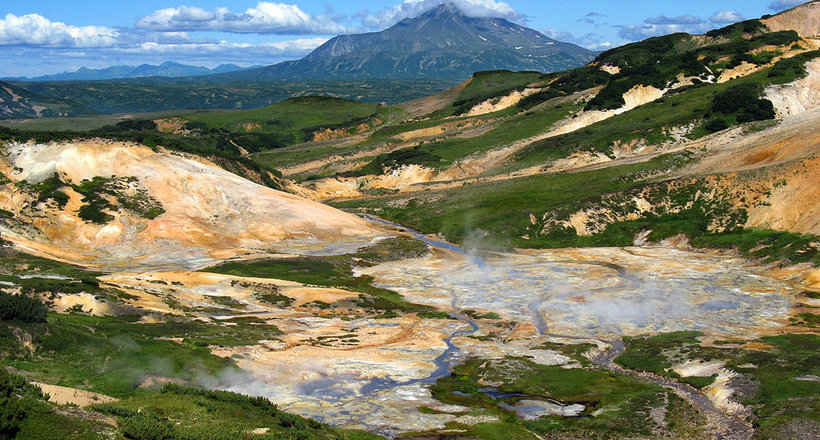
column 185, row 413
column 615, row 406
column 337, row 271
column 770, row 381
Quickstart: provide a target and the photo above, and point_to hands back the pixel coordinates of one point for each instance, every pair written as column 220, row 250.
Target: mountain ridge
column 168, row 69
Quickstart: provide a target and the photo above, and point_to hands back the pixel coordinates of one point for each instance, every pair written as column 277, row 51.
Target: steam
column 588, row 296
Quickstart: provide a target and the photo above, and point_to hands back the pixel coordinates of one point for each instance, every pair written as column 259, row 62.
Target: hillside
column 441, row 43
column 16, row 102
column 626, row 249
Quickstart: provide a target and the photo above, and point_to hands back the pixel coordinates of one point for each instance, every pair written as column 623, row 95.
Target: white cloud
column 662, row 25
column 682, row 19
column 780, row 5
column 726, row 16
column 265, row 18
column 591, row 40
column 291, row 48
column 411, row 8
column 34, row 29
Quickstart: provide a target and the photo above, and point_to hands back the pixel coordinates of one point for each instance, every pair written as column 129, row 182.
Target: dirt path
column 728, row 426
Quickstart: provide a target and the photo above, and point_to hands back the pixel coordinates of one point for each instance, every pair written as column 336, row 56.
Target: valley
column 626, row 249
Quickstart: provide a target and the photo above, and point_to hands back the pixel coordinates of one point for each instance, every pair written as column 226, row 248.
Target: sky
column 40, row 37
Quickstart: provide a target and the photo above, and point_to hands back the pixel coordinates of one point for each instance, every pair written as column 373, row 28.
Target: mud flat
column 602, row 293
column 374, row 374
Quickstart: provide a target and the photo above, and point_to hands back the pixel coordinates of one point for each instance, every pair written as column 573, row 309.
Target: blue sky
column 40, row 37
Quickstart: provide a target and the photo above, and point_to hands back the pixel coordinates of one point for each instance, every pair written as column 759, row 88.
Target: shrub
column 141, row 427
column 744, row 102
column 743, row 27
column 790, row 69
column 133, row 125
column 21, row 308
column 716, row 125
column 13, row 388
column 610, row 97
column 531, row 101
column 49, row 189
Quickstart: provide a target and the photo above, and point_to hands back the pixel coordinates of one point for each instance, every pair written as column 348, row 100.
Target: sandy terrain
column 498, row 104
column 65, row 395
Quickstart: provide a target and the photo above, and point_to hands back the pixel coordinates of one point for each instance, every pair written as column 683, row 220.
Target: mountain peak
column 443, row 42
column 443, row 10
column 447, row 7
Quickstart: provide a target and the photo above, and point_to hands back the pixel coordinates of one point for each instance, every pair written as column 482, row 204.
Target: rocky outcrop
column 799, row 96
column 805, row 19
column 208, row 214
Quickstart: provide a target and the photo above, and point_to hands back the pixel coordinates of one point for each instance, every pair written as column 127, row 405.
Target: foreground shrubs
column 14, row 391
column 154, row 424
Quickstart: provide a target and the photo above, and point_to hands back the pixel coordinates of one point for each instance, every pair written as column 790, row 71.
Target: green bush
column 716, row 125
column 141, row 427
column 743, row 27
column 743, row 101
column 256, row 402
column 21, row 308
column 13, row 389
column 531, row 101
column 49, row 189
column 610, row 97
column 791, row 69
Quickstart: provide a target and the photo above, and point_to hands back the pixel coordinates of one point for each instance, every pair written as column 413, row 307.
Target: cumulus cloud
column 726, row 16
column 265, row 18
column 662, row 25
column 780, row 5
column 411, row 8
column 34, row 29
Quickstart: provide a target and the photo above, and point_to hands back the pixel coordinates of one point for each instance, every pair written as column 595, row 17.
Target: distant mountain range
column 441, row 43
column 167, row 69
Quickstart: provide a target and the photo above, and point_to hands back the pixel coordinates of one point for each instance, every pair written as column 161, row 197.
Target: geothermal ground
column 374, row 372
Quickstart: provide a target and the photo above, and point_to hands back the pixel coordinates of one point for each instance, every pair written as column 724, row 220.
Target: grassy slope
column 485, row 85
column 503, row 208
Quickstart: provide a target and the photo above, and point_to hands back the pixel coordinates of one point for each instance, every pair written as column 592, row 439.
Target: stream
column 452, row 354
